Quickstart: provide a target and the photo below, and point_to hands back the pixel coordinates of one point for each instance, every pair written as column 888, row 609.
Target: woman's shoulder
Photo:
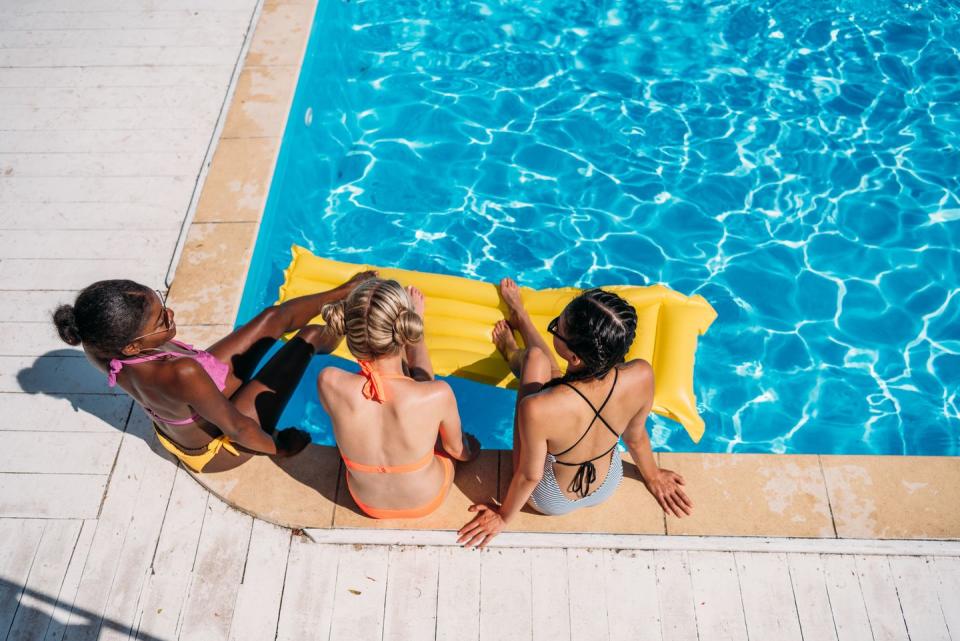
column 638, row 369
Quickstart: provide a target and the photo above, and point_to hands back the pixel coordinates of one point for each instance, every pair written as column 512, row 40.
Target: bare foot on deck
column 417, row 298
column 507, row 345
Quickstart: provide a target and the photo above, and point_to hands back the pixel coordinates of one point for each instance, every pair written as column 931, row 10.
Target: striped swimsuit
column 548, row 498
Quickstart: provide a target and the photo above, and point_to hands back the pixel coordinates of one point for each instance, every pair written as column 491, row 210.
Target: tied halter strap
column 373, row 388
column 586, row 473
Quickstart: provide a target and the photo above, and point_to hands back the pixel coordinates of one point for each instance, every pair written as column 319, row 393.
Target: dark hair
column 106, row 316
column 600, row 328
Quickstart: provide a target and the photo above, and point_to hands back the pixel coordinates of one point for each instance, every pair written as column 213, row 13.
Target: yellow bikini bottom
column 204, row 455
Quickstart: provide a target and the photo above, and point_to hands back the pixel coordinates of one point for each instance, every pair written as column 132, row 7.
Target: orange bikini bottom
column 411, row 513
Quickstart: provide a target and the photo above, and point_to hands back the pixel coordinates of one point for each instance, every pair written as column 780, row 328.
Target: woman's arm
column 489, row 520
column 664, row 485
column 196, row 388
column 460, row 446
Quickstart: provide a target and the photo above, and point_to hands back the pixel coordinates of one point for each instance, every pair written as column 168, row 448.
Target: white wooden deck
column 107, row 109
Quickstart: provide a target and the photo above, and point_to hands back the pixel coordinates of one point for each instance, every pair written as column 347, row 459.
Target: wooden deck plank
column 810, row 594
column 458, row 595
column 71, row 581
column 917, row 588
column 37, row 273
column 85, row 453
column 633, row 607
column 947, row 571
column 769, row 605
column 360, row 594
column 217, row 573
column 549, row 595
column 113, row 141
column 716, row 590
column 411, row 599
column 57, row 376
column 135, row 463
column 34, row 339
column 51, row 496
column 258, row 601
column 86, row 245
column 73, row 164
column 168, row 582
column 21, row 539
column 881, row 599
column 107, row 56
column 586, row 576
column 505, row 595
column 846, row 598
column 80, row 413
column 678, row 614
column 37, row 603
column 306, row 612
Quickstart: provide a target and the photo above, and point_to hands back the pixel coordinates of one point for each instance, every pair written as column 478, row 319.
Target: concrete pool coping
column 754, row 495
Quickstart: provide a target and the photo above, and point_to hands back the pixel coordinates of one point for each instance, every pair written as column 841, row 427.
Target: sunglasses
column 164, row 317
column 553, row 329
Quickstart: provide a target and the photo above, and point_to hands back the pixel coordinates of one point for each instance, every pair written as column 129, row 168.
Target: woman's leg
column 244, row 348
column 265, row 396
column 520, row 321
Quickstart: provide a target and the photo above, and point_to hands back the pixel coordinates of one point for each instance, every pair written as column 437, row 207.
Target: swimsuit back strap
column 389, row 469
column 596, row 412
column 116, row 364
column 585, row 475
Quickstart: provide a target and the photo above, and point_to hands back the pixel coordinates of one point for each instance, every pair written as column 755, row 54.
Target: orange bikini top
column 374, row 390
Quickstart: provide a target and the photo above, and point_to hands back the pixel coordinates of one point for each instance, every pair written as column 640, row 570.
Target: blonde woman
column 396, row 427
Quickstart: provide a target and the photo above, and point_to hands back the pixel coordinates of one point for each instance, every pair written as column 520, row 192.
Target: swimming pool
column 796, row 166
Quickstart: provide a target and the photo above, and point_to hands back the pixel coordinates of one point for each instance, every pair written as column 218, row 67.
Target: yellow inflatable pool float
column 460, row 314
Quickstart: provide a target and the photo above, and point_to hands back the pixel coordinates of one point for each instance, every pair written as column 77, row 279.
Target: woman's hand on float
column 667, row 488
column 485, row 525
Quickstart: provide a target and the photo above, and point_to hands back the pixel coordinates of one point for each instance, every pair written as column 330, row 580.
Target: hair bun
column 333, row 316
column 408, row 327
column 66, row 321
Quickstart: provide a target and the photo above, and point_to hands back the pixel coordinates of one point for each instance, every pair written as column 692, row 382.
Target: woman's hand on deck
column 667, row 488
column 485, row 525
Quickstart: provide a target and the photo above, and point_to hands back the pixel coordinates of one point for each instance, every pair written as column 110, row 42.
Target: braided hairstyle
column 600, row 328
column 106, row 316
column 377, row 318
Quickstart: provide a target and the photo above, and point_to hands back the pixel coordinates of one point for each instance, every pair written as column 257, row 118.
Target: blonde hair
column 377, row 318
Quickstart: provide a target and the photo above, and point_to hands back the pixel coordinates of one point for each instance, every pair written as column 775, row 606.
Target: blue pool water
column 795, row 163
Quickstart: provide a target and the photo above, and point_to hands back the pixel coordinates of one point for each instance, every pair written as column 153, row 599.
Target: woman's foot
column 418, row 358
column 511, row 296
column 507, row 345
column 416, row 297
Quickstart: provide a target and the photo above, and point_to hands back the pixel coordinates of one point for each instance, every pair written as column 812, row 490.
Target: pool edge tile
column 237, row 184
column 887, row 497
column 752, row 495
column 211, row 273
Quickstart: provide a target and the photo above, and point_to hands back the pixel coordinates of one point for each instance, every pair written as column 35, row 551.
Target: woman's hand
column 485, row 525
column 291, row 441
column 666, row 488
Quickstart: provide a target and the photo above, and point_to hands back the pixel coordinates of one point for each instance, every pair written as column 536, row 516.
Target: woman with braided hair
column 397, row 428
column 566, row 427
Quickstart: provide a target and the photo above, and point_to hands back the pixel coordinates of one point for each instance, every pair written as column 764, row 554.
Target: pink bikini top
column 215, row 368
